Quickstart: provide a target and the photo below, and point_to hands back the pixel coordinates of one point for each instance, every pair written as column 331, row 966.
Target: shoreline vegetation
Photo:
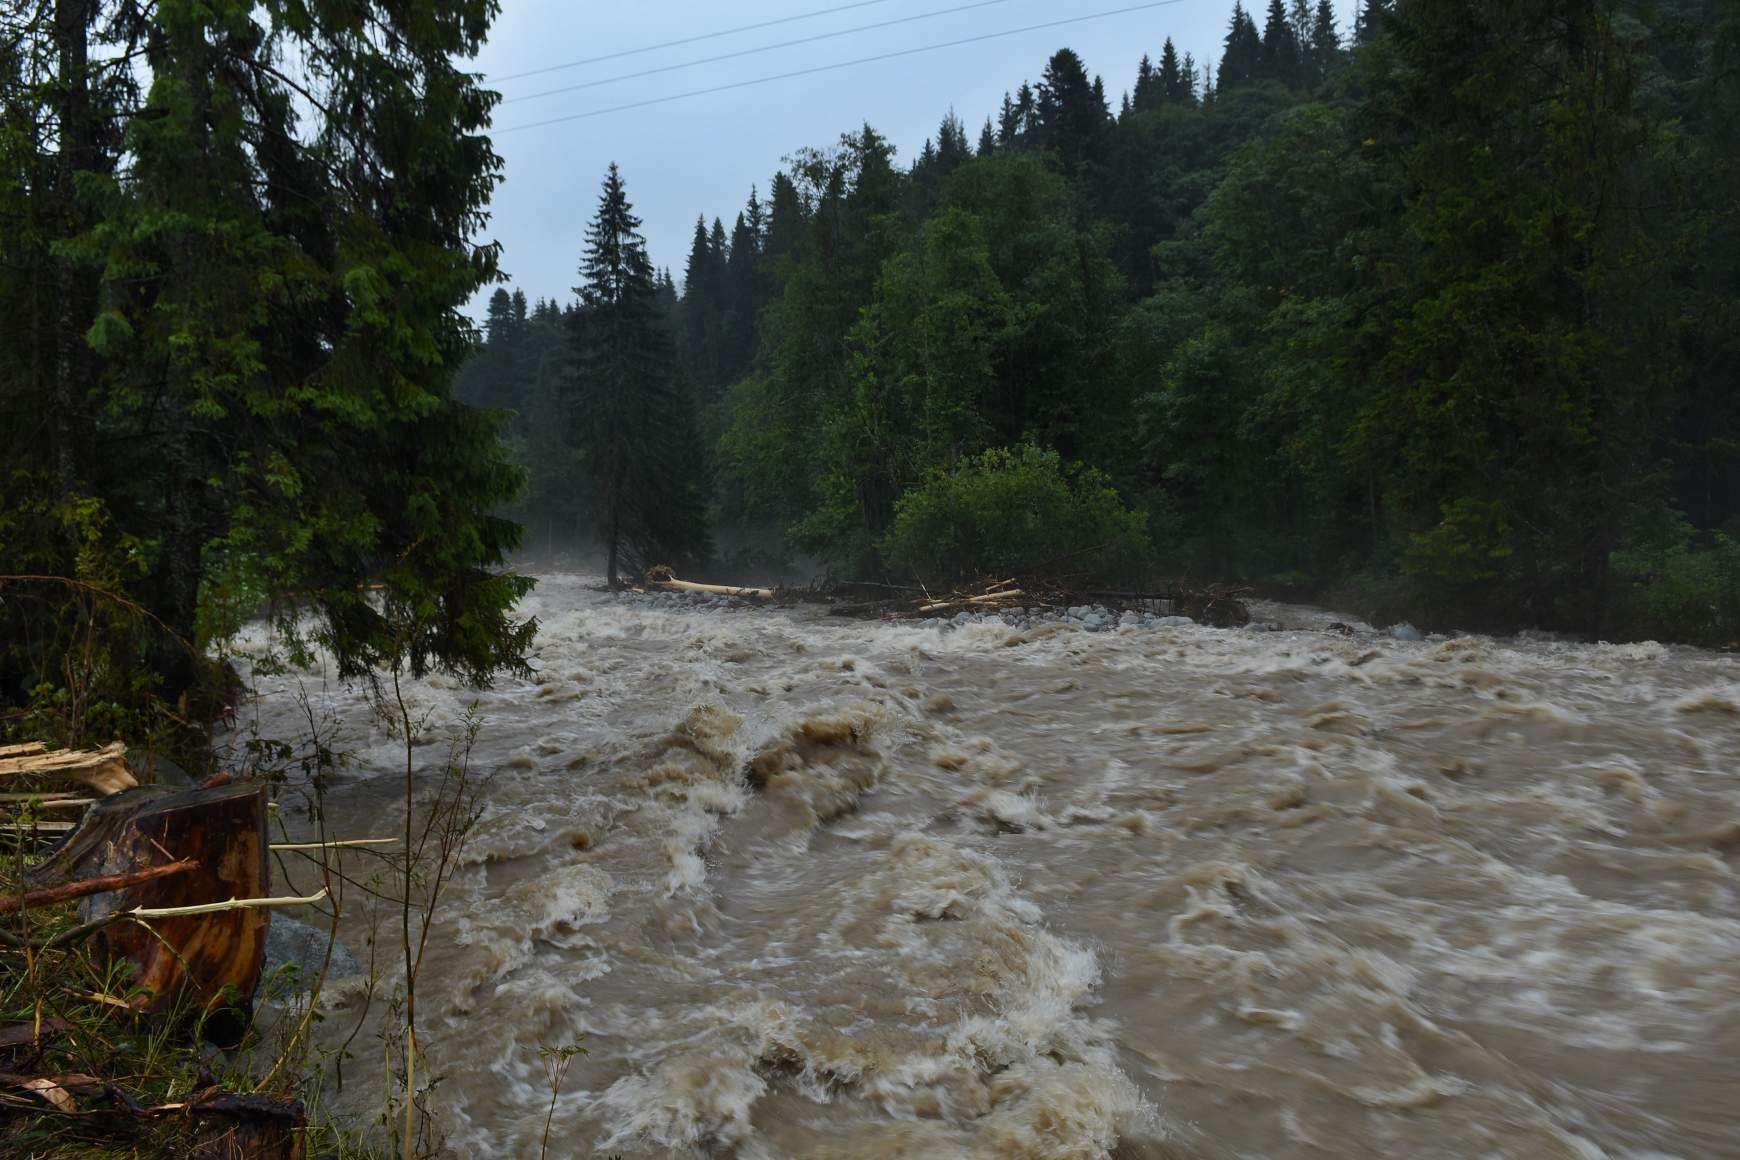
column 1427, row 311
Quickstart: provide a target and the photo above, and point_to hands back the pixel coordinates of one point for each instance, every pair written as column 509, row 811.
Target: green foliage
column 1680, row 584
column 241, row 295
column 634, row 428
column 1008, row 512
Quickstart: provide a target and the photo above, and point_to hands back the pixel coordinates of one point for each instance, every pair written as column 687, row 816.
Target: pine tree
column 1280, row 52
column 987, row 139
column 519, row 307
column 1242, row 61
column 1187, row 81
column 1371, row 21
column 633, row 426
column 1148, row 92
column 500, row 320
column 1072, row 117
column 265, row 323
column 1325, row 41
column 785, row 218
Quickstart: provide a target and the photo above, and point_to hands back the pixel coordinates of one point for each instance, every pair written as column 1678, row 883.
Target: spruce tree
column 987, row 139
column 1171, row 73
column 785, row 218
column 633, row 427
column 1187, row 81
column 1072, row 114
column 258, row 298
column 499, row 322
column 1280, row 52
column 1148, row 91
column 1325, row 41
column 1242, row 61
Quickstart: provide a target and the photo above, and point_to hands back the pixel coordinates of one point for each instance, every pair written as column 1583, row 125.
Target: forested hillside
column 1439, row 320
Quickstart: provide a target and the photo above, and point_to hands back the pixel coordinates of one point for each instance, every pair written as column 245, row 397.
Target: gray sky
column 702, row 154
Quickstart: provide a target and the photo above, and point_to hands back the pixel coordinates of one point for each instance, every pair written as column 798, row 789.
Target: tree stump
column 212, row 959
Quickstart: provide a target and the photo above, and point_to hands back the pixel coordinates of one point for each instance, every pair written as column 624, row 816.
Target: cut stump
column 213, row 959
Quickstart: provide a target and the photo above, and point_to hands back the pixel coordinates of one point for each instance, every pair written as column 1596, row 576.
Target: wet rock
column 1407, row 632
column 1174, row 622
column 299, row 945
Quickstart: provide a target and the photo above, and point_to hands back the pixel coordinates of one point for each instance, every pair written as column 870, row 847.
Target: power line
column 753, row 51
column 687, row 40
column 842, row 64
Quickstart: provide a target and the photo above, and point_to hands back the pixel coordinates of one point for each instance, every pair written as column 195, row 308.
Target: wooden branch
column 87, row 886
column 988, row 598
column 104, row 770
column 26, row 748
column 59, row 800
column 335, row 845
column 224, row 907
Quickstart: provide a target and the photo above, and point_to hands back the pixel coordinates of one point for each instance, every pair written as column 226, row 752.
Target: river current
column 807, row 887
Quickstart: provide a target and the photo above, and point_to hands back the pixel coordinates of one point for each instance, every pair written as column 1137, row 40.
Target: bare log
column 217, row 947
column 68, row 891
column 103, row 771
column 713, row 589
column 967, row 601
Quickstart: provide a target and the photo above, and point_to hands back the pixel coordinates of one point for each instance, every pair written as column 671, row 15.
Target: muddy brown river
column 805, row 887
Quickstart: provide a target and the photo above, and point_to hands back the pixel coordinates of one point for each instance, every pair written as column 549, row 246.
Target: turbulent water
column 806, row 887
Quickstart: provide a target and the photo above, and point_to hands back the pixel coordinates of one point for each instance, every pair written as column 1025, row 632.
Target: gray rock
column 1407, row 632
column 293, row 943
column 1174, row 622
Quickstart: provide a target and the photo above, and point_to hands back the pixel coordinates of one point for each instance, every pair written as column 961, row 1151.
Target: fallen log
column 103, row 771
column 198, row 946
column 66, row 892
column 713, row 589
column 966, row 601
column 232, row 1126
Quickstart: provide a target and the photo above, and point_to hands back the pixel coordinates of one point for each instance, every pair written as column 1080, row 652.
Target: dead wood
column 205, row 955
column 68, row 891
column 103, row 771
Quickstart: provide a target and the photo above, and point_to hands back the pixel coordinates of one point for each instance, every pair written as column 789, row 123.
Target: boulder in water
column 1407, row 632
column 297, row 944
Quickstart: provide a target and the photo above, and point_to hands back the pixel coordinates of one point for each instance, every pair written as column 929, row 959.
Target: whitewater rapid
column 811, row 887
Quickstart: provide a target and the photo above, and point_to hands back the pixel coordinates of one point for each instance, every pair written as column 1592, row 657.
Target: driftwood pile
column 1217, row 605
column 171, row 886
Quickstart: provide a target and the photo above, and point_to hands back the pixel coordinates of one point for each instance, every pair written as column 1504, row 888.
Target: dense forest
column 1431, row 310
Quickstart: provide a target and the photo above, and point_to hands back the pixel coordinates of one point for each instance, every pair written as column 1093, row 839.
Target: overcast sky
column 702, row 154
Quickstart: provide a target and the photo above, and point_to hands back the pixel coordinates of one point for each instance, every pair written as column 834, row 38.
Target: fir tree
column 785, row 218
column 1171, row 74
column 1371, row 21
column 1325, row 41
column 1072, row 116
column 1148, row 92
column 1280, row 51
column 633, row 426
column 1242, row 61
column 499, row 323
column 987, row 139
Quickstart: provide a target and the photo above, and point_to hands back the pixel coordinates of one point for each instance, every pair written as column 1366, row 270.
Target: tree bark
column 209, row 959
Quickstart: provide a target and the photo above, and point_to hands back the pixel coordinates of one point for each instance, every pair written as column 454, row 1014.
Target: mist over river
column 808, row 887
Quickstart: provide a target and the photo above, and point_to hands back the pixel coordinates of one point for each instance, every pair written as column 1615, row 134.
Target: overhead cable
column 753, row 51
column 840, row 65
column 687, row 40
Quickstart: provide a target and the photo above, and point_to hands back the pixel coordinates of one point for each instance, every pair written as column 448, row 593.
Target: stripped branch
column 66, row 892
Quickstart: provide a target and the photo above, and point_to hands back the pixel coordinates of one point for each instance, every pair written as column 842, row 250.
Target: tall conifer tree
column 634, row 429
